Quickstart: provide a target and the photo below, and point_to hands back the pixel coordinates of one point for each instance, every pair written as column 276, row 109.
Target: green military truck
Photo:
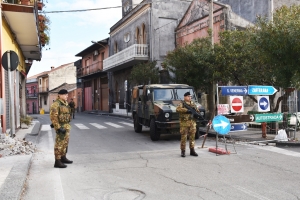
column 155, row 105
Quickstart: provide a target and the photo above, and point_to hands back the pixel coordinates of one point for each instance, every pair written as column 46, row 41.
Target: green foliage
column 193, row 64
column 26, row 120
column 143, row 73
column 279, row 41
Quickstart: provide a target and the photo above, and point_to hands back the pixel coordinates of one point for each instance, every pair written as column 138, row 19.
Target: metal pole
column 11, row 98
column 211, row 21
column 217, row 91
column 296, row 111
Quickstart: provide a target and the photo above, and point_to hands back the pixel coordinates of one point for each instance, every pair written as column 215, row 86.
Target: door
column 88, row 98
column 104, row 94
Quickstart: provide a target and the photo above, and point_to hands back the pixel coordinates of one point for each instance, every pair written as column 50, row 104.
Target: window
column 116, row 48
column 45, row 100
column 27, row 106
column 95, row 55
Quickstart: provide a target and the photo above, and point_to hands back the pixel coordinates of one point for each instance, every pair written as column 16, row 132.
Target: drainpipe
column 2, row 84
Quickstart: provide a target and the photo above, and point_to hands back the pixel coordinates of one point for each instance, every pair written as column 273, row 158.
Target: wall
column 58, row 76
column 165, row 18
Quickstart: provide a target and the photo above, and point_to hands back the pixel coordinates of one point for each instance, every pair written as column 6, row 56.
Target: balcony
column 31, row 95
column 127, row 57
column 43, row 89
column 23, row 22
column 91, row 69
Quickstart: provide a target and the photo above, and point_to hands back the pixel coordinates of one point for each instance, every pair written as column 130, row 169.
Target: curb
column 14, row 183
column 287, row 144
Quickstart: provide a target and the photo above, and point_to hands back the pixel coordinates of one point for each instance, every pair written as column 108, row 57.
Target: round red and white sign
column 237, row 104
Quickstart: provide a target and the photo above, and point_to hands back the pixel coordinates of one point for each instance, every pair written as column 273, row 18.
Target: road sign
column 238, row 127
column 240, row 118
column 234, row 90
column 221, row 125
column 223, row 109
column 263, row 103
column 261, row 90
column 13, row 58
column 268, row 117
column 237, row 104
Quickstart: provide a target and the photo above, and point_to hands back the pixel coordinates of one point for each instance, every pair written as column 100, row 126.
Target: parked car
column 155, row 105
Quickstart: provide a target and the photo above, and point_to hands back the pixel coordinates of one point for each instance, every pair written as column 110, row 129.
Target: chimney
column 52, row 67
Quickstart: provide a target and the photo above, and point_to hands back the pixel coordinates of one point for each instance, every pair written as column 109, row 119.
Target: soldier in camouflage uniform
column 60, row 118
column 187, row 125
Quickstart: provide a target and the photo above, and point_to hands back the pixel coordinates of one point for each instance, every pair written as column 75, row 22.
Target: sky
column 70, row 33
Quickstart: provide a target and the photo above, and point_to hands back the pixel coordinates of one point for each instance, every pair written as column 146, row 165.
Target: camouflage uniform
column 60, row 117
column 187, row 125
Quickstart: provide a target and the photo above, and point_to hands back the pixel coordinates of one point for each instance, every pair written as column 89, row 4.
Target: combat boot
column 59, row 164
column 182, row 153
column 193, row 153
column 64, row 159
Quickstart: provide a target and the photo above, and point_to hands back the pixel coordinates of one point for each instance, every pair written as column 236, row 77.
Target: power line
column 106, row 8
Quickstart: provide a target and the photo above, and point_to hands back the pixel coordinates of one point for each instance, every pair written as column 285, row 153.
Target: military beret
column 187, row 94
column 63, row 91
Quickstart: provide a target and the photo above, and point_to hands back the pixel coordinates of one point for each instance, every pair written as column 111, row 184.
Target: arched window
column 116, row 48
column 144, row 39
column 137, row 36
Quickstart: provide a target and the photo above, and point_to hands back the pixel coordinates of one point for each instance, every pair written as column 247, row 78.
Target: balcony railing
column 91, row 69
column 31, row 95
column 43, row 89
column 134, row 52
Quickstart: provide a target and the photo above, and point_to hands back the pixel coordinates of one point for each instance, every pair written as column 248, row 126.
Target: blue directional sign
column 234, row 90
column 261, row 90
column 221, row 125
column 238, row 127
column 263, row 104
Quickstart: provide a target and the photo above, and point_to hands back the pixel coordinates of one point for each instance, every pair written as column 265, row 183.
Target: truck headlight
column 167, row 115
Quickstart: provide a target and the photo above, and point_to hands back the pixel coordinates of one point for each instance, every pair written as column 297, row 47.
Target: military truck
column 155, row 105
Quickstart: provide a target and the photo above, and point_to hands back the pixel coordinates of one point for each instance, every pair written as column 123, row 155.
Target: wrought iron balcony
column 31, row 95
column 91, row 69
column 129, row 56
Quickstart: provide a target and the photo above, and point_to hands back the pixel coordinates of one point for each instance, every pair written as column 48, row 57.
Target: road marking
column 113, row 125
column 98, row 126
column 126, row 123
column 251, row 193
column 81, row 126
column 46, row 127
column 279, row 150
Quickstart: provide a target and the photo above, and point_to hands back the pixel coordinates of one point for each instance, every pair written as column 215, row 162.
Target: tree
column 145, row 73
column 192, row 64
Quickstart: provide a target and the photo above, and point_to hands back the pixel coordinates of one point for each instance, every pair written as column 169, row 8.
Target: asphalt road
column 111, row 161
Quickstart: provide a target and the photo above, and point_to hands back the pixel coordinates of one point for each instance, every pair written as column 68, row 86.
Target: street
column 111, row 161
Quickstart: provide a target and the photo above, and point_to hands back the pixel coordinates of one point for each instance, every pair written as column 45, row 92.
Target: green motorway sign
column 268, row 117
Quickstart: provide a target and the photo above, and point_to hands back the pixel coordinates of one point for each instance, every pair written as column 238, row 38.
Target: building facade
column 145, row 33
column 19, row 33
column 32, row 91
column 92, row 78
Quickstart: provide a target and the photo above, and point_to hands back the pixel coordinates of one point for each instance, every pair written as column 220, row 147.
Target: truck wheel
column 154, row 134
column 136, row 124
column 197, row 134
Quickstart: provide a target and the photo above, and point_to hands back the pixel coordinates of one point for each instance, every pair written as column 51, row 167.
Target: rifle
column 194, row 112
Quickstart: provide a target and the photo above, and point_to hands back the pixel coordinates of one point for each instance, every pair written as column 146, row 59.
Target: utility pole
column 212, row 88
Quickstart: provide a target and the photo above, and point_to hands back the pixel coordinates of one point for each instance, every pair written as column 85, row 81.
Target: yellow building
column 19, row 33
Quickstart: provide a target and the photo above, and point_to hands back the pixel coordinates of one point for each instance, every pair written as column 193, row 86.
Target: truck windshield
column 163, row 94
column 180, row 92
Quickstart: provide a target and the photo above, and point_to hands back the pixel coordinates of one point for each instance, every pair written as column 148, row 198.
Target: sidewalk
column 14, row 169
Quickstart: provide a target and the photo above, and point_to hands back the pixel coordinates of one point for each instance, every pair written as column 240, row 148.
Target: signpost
column 223, row 109
column 269, row 117
column 221, row 125
column 261, row 90
column 263, row 103
column 238, row 127
column 237, row 104
column 10, row 62
column 240, row 118
column 234, row 90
